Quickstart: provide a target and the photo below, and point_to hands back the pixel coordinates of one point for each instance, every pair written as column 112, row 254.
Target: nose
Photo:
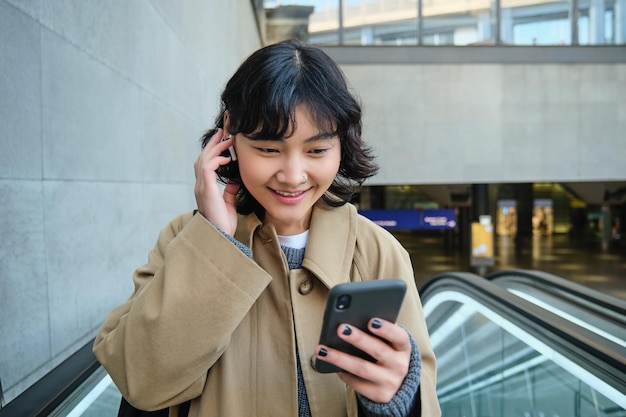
column 293, row 173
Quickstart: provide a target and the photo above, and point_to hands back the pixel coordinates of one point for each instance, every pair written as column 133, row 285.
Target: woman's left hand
column 377, row 381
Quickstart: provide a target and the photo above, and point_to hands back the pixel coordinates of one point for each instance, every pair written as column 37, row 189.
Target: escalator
column 522, row 343
column 599, row 312
column 78, row 387
column 515, row 343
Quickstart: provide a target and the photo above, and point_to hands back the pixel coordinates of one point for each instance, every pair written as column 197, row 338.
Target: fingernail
column 376, row 324
column 347, row 330
column 322, row 352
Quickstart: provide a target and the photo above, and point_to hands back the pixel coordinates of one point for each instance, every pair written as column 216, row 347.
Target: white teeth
column 285, row 194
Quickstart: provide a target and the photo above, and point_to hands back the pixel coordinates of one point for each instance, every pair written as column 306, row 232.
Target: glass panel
column 445, row 22
column 457, row 22
column 619, row 22
column 312, row 21
column 535, row 22
column 601, row 22
column 324, row 23
column 380, row 22
column 487, row 368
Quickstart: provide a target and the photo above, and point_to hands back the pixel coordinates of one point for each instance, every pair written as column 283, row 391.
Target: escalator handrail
column 610, row 307
column 604, row 359
column 43, row 397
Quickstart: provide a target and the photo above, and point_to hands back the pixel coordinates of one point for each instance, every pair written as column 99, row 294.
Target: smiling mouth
column 289, row 194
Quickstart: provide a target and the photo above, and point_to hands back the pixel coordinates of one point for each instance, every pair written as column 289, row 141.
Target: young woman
column 227, row 312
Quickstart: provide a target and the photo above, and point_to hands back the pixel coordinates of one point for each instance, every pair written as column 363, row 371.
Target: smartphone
column 355, row 303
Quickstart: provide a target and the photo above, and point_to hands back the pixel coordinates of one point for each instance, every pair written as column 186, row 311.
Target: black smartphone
column 355, row 303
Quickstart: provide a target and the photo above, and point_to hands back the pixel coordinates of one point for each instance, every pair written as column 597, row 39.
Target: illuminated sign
column 436, row 219
column 393, row 219
column 439, row 219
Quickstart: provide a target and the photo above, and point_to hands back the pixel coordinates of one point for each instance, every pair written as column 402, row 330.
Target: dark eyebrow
column 320, row 136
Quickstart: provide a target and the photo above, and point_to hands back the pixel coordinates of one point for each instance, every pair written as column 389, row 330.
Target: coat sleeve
column 382, row 256
column 189, row 298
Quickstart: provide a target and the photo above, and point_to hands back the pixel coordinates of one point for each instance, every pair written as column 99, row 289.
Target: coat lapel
column 331, row 244
column 246, row 226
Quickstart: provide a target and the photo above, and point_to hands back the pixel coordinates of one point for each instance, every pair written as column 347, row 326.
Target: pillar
column 524, row 196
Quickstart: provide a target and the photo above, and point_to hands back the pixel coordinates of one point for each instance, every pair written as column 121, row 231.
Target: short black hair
column 261, row 98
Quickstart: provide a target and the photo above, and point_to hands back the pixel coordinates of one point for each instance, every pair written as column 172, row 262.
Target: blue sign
column 436, row 219
column 394, row 219
column 439, row 219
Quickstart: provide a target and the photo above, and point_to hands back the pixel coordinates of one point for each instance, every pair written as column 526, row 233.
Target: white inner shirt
column 294, row 241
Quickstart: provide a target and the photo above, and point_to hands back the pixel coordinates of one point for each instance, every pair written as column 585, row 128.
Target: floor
column 582, row 261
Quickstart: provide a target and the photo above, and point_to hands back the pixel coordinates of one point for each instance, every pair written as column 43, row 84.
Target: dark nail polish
column 347, row 330
column 376, row 324
column 322, row 352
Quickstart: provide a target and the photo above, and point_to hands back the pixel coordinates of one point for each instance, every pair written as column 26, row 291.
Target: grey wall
column 494, row 123
column 102, row 105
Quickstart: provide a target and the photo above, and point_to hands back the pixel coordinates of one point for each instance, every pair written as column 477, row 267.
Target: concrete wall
column 494, row 123
column 102, row 105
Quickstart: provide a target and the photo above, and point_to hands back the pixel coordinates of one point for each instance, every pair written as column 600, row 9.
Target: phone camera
column 343, row 302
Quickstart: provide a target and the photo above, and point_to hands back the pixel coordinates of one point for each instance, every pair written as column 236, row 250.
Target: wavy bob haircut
column 261, row 98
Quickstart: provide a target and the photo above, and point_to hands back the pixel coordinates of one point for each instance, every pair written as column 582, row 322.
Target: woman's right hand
column 216, row 207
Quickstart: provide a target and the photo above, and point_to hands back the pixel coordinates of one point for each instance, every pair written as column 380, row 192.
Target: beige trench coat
column 207, row 323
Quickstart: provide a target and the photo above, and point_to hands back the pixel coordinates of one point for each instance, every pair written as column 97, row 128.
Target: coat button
column 306, row 286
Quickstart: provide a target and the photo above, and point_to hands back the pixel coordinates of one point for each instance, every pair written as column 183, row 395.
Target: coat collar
column 246, row 227
column 331, row 244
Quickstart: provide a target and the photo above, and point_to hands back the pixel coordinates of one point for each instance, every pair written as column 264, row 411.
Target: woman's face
column 288, row 176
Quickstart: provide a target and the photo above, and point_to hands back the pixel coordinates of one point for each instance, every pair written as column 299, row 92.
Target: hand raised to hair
column 215, row 206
